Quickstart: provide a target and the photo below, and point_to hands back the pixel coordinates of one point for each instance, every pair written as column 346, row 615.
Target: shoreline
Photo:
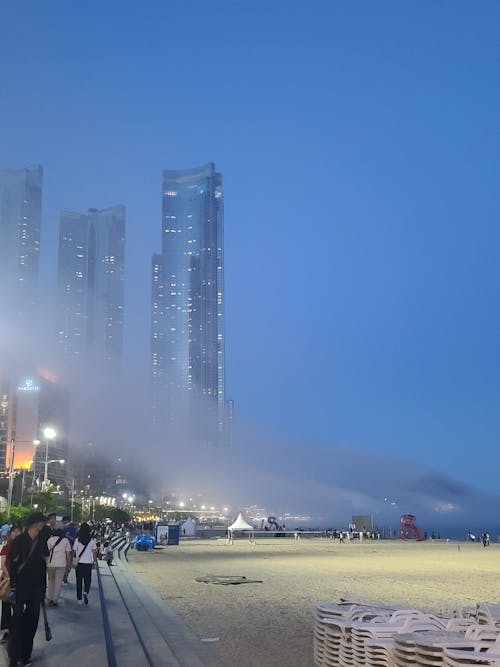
column 271, row 623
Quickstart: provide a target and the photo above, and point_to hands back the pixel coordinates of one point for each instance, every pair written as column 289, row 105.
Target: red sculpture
column 409, row 528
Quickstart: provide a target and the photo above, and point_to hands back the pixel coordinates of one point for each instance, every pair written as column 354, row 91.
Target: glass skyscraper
column 20, row 221
column 20, row 216
column 187, row 320
column 90, row 284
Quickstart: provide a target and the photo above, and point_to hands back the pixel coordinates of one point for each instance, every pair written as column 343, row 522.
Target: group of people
column 484, row 539
column 38, row 561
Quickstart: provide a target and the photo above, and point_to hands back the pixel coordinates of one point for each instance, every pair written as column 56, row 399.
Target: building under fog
column 90, row 285
column 5, row 412
column 20, row 215
column 28, row 407
column 187, row 318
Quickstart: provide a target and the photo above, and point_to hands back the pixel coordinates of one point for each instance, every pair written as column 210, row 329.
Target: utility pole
column 72, row 499
column 22, row 486
column 11, row 475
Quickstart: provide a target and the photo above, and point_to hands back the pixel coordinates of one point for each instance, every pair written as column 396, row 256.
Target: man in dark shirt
column 28, row 580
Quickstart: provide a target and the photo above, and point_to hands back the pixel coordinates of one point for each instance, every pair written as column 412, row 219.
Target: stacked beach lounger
column 356, row 634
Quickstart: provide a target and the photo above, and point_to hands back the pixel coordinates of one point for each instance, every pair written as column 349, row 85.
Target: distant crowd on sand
column 484, row 539
column 36, row 562
column 341, row 535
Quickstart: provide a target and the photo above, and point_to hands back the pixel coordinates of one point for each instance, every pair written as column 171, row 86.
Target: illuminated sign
column 28, row 385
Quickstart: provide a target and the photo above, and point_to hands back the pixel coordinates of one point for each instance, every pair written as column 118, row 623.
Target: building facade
column 90, row 285
column 5, row 412
column 20, row 217
column 187, row 316
column 28, row 407
column 47, row 407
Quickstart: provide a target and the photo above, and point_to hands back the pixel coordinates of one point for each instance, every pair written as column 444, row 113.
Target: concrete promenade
column 124, row 625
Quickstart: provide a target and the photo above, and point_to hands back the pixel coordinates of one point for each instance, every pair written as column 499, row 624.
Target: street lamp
column 49, row 434
column 392, row 504
column 46, row 481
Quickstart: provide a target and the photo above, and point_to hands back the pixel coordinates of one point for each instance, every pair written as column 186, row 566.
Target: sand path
column 270, row 624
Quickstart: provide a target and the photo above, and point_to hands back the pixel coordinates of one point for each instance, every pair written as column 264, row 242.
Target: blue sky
column 359, row 143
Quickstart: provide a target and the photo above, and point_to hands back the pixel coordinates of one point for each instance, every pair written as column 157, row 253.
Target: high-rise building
column 90, row 284
column 20, row 215
column 5, row 410
column 187, row 318
column 28, row 408
column 49, row 408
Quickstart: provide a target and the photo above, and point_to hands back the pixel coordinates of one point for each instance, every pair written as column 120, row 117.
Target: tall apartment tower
column 187, row 319
column 5, row 410
column 20, row 215
column 90, row 285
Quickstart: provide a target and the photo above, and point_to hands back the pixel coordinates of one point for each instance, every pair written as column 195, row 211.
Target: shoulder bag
column 5, row 588
column 55, row 545
column 76, row 557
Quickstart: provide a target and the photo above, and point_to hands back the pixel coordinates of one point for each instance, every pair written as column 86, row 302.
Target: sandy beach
column 270, row 623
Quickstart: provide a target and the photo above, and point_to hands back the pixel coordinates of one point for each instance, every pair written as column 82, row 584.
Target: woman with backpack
column 84, row 553
column 58, row 560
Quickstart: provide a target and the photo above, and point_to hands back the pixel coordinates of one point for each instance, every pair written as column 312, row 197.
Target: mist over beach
column 270, row 621
column 268, row 276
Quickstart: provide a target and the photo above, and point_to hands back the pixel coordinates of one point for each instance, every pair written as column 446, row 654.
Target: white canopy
column 189, row 527
column 240, row 524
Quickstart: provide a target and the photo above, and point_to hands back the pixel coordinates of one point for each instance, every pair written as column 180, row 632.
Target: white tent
column 239, row 524
column 188, row 528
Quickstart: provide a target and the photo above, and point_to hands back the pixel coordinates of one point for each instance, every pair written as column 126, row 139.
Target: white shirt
column 58, row 552
column 87, row 556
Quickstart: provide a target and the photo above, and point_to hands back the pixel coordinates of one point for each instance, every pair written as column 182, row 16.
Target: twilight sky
column 359, row 143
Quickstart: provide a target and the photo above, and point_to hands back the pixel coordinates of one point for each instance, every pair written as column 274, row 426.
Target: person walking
column 85, row 551
column 4, row 530
column 6, row 621
column 58, row 560
column 70, row 531
column 27, row 568
column 52, row 522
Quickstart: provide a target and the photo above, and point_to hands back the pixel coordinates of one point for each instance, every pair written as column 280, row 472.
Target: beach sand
column 271, row 623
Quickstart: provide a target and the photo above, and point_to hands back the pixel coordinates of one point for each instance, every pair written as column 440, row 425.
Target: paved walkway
column 77, row 631
column 124, row 625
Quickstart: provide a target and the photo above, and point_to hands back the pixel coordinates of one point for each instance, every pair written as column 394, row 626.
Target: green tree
column 17, row 514
column 118, row 515
column 46, row 501
column 102, row 512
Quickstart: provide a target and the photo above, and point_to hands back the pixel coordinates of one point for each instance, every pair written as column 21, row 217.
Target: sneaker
column 85, row 598
column 80, row 601
column 4, row 637
column 52, row 603
column 27, row 662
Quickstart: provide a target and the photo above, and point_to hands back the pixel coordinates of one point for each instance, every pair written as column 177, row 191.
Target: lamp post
column 23, row 482
column 46, row 481
column 11, row 475
column 72, row 499
column 394, row 506
column 49, row 434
